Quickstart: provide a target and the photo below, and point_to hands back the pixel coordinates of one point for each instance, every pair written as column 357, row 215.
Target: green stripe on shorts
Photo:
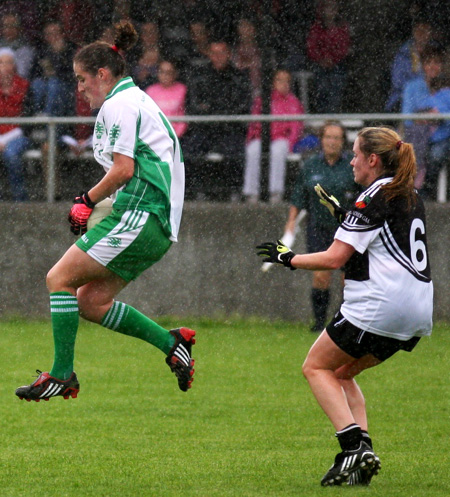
column 126, row 242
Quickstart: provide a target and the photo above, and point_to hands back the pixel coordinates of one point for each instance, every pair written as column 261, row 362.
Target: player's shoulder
column 373, row 195
column 371, row 206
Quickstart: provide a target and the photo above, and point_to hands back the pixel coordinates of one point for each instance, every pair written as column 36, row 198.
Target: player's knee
column 53, row 281
column 307, row 369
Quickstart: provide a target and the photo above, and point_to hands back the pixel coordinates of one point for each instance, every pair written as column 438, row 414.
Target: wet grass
column 249, row 426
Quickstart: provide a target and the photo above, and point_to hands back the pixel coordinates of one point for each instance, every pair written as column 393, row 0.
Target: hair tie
column 398, row 144
column 115, row 48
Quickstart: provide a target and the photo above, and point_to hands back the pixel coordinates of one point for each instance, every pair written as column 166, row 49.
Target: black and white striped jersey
column 388, row 288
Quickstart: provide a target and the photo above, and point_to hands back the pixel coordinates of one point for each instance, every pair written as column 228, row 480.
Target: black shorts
column 358, row 343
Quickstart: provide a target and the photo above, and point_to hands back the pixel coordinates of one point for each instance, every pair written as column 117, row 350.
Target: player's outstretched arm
column 331, row 203
column 277, row 253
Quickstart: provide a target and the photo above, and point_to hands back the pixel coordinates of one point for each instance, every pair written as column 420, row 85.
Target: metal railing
column 350, row 120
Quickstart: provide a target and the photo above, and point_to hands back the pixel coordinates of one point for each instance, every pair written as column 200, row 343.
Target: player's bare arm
column 120, row 173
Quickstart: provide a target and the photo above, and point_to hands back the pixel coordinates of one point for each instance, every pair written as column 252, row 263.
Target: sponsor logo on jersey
column 114, row 241
column 364, row 202
column 114, row 133
column 99, row 129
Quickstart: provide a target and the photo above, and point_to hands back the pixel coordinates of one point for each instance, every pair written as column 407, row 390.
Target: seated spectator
column 197, row 51
column 283, row 136
column 415, row 93
column 247, row 55
column 80, row 140
column 437, row 102
column 218, row 89
column 13, row 142
column 170, row 94
column 11, row 38
column 407, row 63
column 53, row 80
column 328, row 44
column 77, row 18
column 144, row 62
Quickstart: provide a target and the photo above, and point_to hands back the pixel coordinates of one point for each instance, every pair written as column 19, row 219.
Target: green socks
column 128, row 321
column 65, row 318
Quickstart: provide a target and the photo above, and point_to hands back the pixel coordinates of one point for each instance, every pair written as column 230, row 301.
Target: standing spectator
column 328, row 45
column 144, row 63
column 11, row 37
column 247, row 55
column 414, row 96
column 53, row 84
column 218, row 89
column 170, row 94
column 283, row 136
column 331, row 169
column 13, row 143
column 407, row 63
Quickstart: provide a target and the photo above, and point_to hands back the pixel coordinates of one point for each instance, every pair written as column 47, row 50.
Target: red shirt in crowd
column 328, row 43
column 12, row 102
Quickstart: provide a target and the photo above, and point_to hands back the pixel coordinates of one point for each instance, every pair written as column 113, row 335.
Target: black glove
column 276, row 253
column 79, row 214
column 331, row 203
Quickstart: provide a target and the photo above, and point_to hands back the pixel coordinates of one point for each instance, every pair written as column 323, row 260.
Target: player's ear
column 102, row 73
column 373, row 159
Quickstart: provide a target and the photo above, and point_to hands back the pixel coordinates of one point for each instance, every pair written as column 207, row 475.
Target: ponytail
column 101, row 54
column 397, row 158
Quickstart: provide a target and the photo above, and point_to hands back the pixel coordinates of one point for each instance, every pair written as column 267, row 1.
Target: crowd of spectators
column 207, row 58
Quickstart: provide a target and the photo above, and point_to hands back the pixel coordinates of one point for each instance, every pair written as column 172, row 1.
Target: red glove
column 79, row 214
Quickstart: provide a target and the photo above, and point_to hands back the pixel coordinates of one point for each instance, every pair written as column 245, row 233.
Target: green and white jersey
column 130, row 123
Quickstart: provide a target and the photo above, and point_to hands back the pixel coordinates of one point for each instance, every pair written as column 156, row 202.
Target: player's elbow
column 334, row 264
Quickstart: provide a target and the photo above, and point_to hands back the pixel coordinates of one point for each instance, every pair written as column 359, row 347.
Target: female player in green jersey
column 143, row 162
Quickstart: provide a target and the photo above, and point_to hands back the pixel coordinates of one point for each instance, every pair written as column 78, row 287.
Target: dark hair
column 432, row 50
column 329, row 123
column 101, row 54
column 397, row 158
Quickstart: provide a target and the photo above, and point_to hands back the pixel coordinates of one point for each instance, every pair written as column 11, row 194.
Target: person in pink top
column 283, row 136
column 169, row 94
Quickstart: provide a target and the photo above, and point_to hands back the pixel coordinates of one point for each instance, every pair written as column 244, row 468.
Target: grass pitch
column 248, row 427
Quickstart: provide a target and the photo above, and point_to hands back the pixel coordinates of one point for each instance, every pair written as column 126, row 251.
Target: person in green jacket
column 331, row 168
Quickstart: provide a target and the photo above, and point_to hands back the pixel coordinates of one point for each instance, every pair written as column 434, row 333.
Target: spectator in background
column 414, row 95
column 439, row 141
column 13, row 103
column 247, row 55
column 170, row 94
column 328, row 45
column 144, row 63
column 407, row 63
column 197, row 50
column 283, row 136
column 331, row 168
column 11, row 37
column 218, row 89
column 53, row 83
column 77, row 18
column 30, row 17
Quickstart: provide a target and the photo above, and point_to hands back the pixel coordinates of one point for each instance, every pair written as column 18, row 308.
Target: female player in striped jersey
column 143, row 162
column 388, row 292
